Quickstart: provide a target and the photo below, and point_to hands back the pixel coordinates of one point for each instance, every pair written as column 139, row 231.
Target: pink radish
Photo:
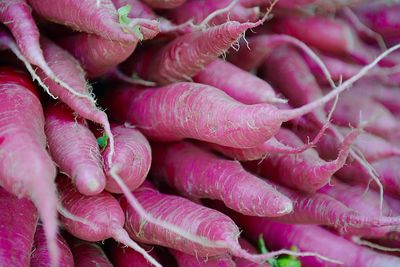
column 17, row 224
column 23, row 143
column 74, row 148
column 103, row 216
column 197, row 173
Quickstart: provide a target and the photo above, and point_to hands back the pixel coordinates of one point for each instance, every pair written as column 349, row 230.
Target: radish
column 74, row 148
column 16, row 242
column 91, row 16
column 217, row 233
column 40, row 254
column 28, row 171
column 197, row 173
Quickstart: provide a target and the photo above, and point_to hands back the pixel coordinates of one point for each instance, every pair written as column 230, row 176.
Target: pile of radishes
column 199, row 133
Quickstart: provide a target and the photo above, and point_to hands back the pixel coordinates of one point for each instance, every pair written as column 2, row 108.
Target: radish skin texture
column 40, row 254
column 197, row 173
column 23, row 144
column 286, row 69
column 238, row 84
column 186, row 55
column 132, row 157
column 372, row 147
column 178, row 210
column 217, row 234
column 167, row 4
column 272, row 146
column 380, row 121
column 74, row 148
column 186, row 260
column 364, row 203
column 158, row 113
column 101, row 210
column 240, row 262
column 64, row 65
column 316, row 239
column 333, row 36
column 387, row 170
column 89, row 255
column 148, row 109
column 97, row 54
column 200, row 10
column 138, row 10
column 90, row 16
column 380, row 17
column 102, row 213
column 122, row 256
column 16, row 242
column 323, row 209
column 307, row 171
column 16, row 15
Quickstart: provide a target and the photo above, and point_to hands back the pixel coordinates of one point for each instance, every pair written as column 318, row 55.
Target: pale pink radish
column 198, row 11
column 322, row 209
column 40, row 254
column 188, row 54
column 387, row 170
column 217, row 234
column 74, row 149
column 371, row 146
column 306, row 171
column 270, row 147
column 316, row 239
column 328, row 35
column 82, row 102
column 198, row 173
column 122, row 256
column 16, row 15
column 186, row 260
column 91, row 16
column 18, row 223
column 381, row 121
column 99, row 55
column 240, row 85
column 132, row 159
column 151, row 110
column 26, row 168
column 103, row 217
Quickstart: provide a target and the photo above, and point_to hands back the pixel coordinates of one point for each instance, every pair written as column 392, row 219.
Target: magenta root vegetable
column 74, row 148
column 316, row 239
column 80, row 101
column 89, row 50
column 322, row 209
column 212, row 233
column 186, row 260
column 197, row 173
column 237, row 83
column 40, row 253
column 188, row 54
column 132, row 159
column 103, row 217
column 306, row 171
column 26, row 169
column 16, row 242
column 198, row 11
column 89, row 255
column 122, row 256
column 159, row 113
column 91, row 16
